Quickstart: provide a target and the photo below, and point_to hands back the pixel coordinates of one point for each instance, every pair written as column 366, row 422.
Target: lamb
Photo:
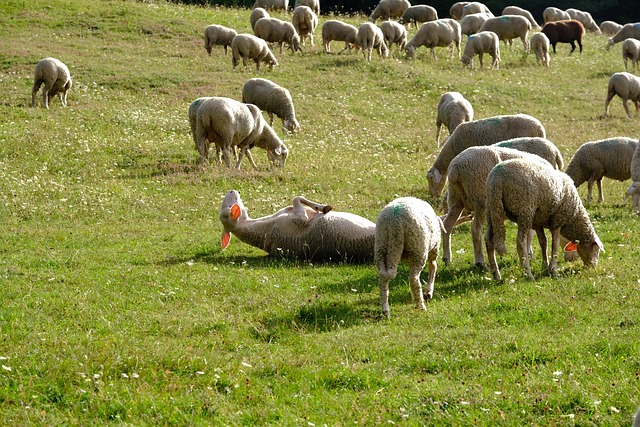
column 453, row 109
column 418, row 14
column 248, row 46
column 370, row 37
column 585, row 18
column 479, row 44
column 339, row 31
column 611, row 158
column 628, row 31
column 407, row 228
column 508, row 27
column 229, row 123
column 313, row 4
column 480, row 132
column 305, row 230
column 256, row 14
column 387, row 9
column 471, row 24
column 273, row 99
column 610, row 28
column 475, row 7
column 218, row 35
column 56, row 78
column 552, row 14
column 569, row 31
column 515, row 10
column 631, row 50
column 274, row 30
column 443, row 32
column 282, row 5
column 627, row 87
column 305, row 22
column 536, row 196
column 540, row 45
column 394, row 32
column 456, row 10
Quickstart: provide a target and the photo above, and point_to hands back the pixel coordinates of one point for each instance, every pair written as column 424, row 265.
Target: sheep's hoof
column 386, row 315
column 326, row 208
column 497, row 276
column 480, row 266
column 422, row 307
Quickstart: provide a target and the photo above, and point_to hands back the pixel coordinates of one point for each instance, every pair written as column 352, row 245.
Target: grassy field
column 118, row 306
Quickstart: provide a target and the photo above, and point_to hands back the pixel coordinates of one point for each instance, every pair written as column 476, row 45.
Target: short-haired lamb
column 479, row 44
column 540, row 45
column 333, row 29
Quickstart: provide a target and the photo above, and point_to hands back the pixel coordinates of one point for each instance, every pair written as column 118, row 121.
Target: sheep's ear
column 226, row 238
column 437, row 176
column 570, row 247
column 278, row 150
column 599, row 243
column 235, row 212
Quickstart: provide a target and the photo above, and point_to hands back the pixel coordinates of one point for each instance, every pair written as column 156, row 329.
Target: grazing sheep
column 627, row 87
column 407, row 228
column 313, row 4
column 453, row 109
column 305, row 230
column 394, row 32
column 387, row 9
column 515, row 10
column 273, row 99
column 536, row 196
column 509, row 27
column 594, row 160
column 475, row 7
column 479, row 44
column 228, row 124
column 256, row 14
column 305, row 22
column 193, row 108
column 282, row 5
column 631, row 50
column 218, row 35
column 586, row 19
column 552, row 14
column 610, row 28
column 455, row 12
column 480, row 132
column 248, row 46
column 443, row 32
column 274, row 30
column 628, row 31
column 570, row 31
column 56, row 78
column 339, row 31
column 370, row 37
column 541, row 147
column 471, row 24
column 540, row 45
column 418, row 14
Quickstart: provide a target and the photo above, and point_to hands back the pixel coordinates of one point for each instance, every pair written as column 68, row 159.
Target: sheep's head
column 436, row 181
column 467, row 61
column 231, row 212
column 295, row 43
column 588, row 250
column 411, row 50
column 278, row 155
column 291, row 125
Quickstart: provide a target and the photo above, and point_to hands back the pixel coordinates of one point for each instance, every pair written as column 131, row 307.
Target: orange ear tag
column 235, row 212
column 570, row 247
column 226, row 238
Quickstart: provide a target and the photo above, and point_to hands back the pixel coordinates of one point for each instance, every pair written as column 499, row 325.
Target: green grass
column 118, row 306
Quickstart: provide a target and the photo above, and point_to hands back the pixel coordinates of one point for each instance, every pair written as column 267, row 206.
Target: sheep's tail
column 495, row 218
column 388, row 249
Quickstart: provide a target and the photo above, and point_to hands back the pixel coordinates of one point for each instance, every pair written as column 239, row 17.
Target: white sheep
column 333, row 29
column 634, row 192
column 479, row 44
column 480, row 132
column 273, row 99
column 541, row 147
column 394, row 32
column 536, row 196
column 387, row 9
column 540, row 45
column 611, row 158
column 631, row 50
column 407, row 228
column 370, row 37
column 628, row 31
column 56, row 78
column 442, row 32
column 282, row 5
column 455, row 12
column 248, row 46
column 218, row 35
column 305, row 22
column 515, row 10
column 274, row 30
column 475, row 7
column 585, row 18
column 509, row 27
column 552, row 14
column 256, row 14
column 418, row 14
column 228, row 123
column 471, row 24
column 305, row 230
column 610, row 28
column 627, row 87
column 453, row 109
column 313, row 4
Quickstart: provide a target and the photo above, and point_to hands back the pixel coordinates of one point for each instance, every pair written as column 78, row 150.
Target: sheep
column 456, row 10
column 248, row 46
column 509, row 27
column 634, row 192
column 628, row 31
column 552, row 14
column 394, row 32
column 282, row 5
column 536, row 196
column 475, row 7
column 541, row 147
column 407, row 228
column 453, row 109
column 305, row 22
column 418, row 14
column 479, row 44
column 471, row 24
column 515, row 10
column 627, row 87
column 480, row 132
column 313, row 4
column 274, row 30
column 610, row 28
column 56, row 78
column 387, row 9
column 229, row 123
column 631, row 50
column 594, row 160
column 370, row 37
column 568, row 31
column 273, row 99
column 218, row 35
column 443, row 32
column 636, row 418
column 305, row 231
column 256, row 14
column 540, row 45
column 585, row 18
column 340, row 31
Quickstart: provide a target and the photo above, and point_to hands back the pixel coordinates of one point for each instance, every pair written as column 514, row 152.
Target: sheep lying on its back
column 509, row 27
column 418, row 14
column 56, row 78
column 370, row 37
column 631, row 50
column 339, row 31
column 570, row 31
column 256, row 14
column 407, row 228
column 274, row 30
column 585, row 18
column 443, row 32
column 394, row 32
column 552, row 14
column 248, row 46
column 218, row 35
column 453, row 109
column 540, row 45
column 515, row 10
column 627, row 87
column 479, row 44
column 387, row 9
column 273, row 99
column 610, row 28
column 305, row 22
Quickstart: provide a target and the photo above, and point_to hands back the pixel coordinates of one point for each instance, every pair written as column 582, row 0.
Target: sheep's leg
column 270, row 119
column 523, row 250
column 479, row 58
column 610, row 94
column 449, row 222
column 555, row 244
column 476, row 237
column 34, row 92
column 433, row 267
column 600, row 194
column 491, row 253
column 63, row 98
column 45, row 95
column 589, row 189
column 299, row 201
column 542, row 239
column 526, row 44
column 202, row 144
column 573, row 47
column 626, row 106
column 386, row 276
column 415, row 268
